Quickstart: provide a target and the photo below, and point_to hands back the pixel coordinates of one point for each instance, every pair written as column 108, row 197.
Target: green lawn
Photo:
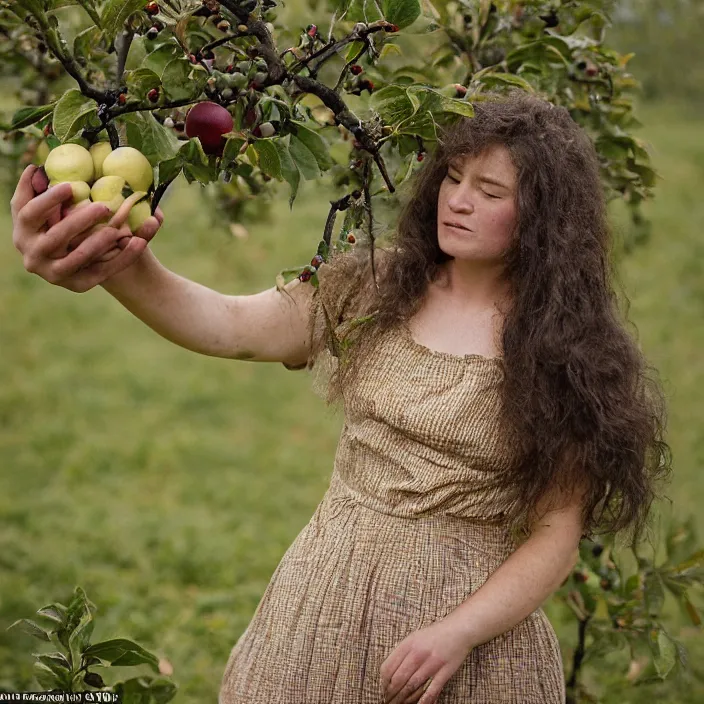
column 169, row 484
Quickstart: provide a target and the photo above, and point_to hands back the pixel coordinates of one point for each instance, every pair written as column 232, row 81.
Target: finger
column 149, row 228
column 123, row 211
column 79, row 220
column 94, row 246
column 36, row 211
column 55, row 214
column 23, row 191
column 111, row 254
column 95, row 274
column 159, row 215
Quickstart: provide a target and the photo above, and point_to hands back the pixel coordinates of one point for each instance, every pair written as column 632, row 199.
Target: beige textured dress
column 406, row 531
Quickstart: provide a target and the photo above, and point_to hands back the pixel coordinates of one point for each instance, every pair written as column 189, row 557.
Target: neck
column 473, row 285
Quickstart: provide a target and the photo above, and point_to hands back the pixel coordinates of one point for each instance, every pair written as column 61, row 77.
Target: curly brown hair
column 576, row 393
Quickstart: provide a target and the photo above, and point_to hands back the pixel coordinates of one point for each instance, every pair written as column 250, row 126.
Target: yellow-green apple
column 139, row 213
column 132, row 165
column 108, row 190
column 69, row 162
column 81, row 190
column 98, row 152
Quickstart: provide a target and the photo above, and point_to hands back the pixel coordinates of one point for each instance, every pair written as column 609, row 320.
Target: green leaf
column 269, row 160
column 654, row 594
column 168, row 170
column 115, row 14
column 140, row 81
column 54, row 612
column 112, row 650
column 71, row 113
column 58, row 665
column 24, row 117
column 392, row 103
column 304, row 158
column 315, row 143
column 30, row 628
column 196, row 164
column 145, row 690
column 665, row 658
column 80, row 637
column 434, row 101
column 46, row 677
column 87, row 43
column 231, row 151
column 145, row 133
column 177, row 81
column 158, row 59
column 401, row 12
column 289, row 170
column 491, row 80
column 55, row 661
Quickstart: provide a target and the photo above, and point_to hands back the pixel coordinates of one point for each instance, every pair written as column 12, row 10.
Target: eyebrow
column 481, row 177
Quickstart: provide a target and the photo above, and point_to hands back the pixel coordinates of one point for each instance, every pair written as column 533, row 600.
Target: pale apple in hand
column 98, row 152
column 139, row 213
column 69, row 162
column 132, row 165
column 108, row 190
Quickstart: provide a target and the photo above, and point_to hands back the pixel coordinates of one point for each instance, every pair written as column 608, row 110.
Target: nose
column 460, row 200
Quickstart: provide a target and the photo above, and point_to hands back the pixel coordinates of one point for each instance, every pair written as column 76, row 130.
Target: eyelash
column 488, row 195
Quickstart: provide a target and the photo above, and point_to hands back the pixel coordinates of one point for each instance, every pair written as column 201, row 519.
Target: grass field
column 169, row 484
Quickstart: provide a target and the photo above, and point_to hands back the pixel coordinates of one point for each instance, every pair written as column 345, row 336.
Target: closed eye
column 454, row 180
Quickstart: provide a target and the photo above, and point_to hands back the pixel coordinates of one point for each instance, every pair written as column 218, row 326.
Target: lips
column 456, row 224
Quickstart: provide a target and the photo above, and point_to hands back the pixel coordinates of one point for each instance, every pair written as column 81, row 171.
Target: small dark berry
column 580, row 576
column 351, row 238
column 305, row 275
column 605, row 584
column 193, row 58
column 311, row 30
column 317, row 260
column 152, row 33
column 592, row 71
column 420, row 156
column 581, row 65
column 152, row 8
column 356, row 194
column 48, row 129
column 597, row 550
column 461, row 90
column 392, row 28
column 122, row 98
column 368, row 85
column 179, row 126
column 356, row 69
column 153, row 95
column 257, row 131
column 230, row 69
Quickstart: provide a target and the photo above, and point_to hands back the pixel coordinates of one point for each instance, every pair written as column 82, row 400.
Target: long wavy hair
column 576, row 393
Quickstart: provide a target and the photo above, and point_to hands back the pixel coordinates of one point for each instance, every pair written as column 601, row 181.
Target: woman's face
column 479, row 193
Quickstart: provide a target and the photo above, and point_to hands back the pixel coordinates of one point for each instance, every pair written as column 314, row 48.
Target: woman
column 496, row 412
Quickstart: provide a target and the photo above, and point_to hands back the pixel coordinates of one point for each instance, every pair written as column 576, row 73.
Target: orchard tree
column 234, row 98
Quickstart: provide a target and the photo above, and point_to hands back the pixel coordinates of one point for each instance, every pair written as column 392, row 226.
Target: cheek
column 503, row 218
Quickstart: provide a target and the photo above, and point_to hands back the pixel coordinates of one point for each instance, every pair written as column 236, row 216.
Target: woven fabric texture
column 409, row 527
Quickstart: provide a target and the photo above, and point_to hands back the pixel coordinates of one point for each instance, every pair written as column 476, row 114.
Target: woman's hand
column 43, row 237
column 436, row 651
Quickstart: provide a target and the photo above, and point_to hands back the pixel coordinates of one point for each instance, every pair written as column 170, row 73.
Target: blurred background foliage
column 170, row 485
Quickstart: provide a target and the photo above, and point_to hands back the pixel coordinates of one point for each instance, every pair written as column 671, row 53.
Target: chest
column 438, row 327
